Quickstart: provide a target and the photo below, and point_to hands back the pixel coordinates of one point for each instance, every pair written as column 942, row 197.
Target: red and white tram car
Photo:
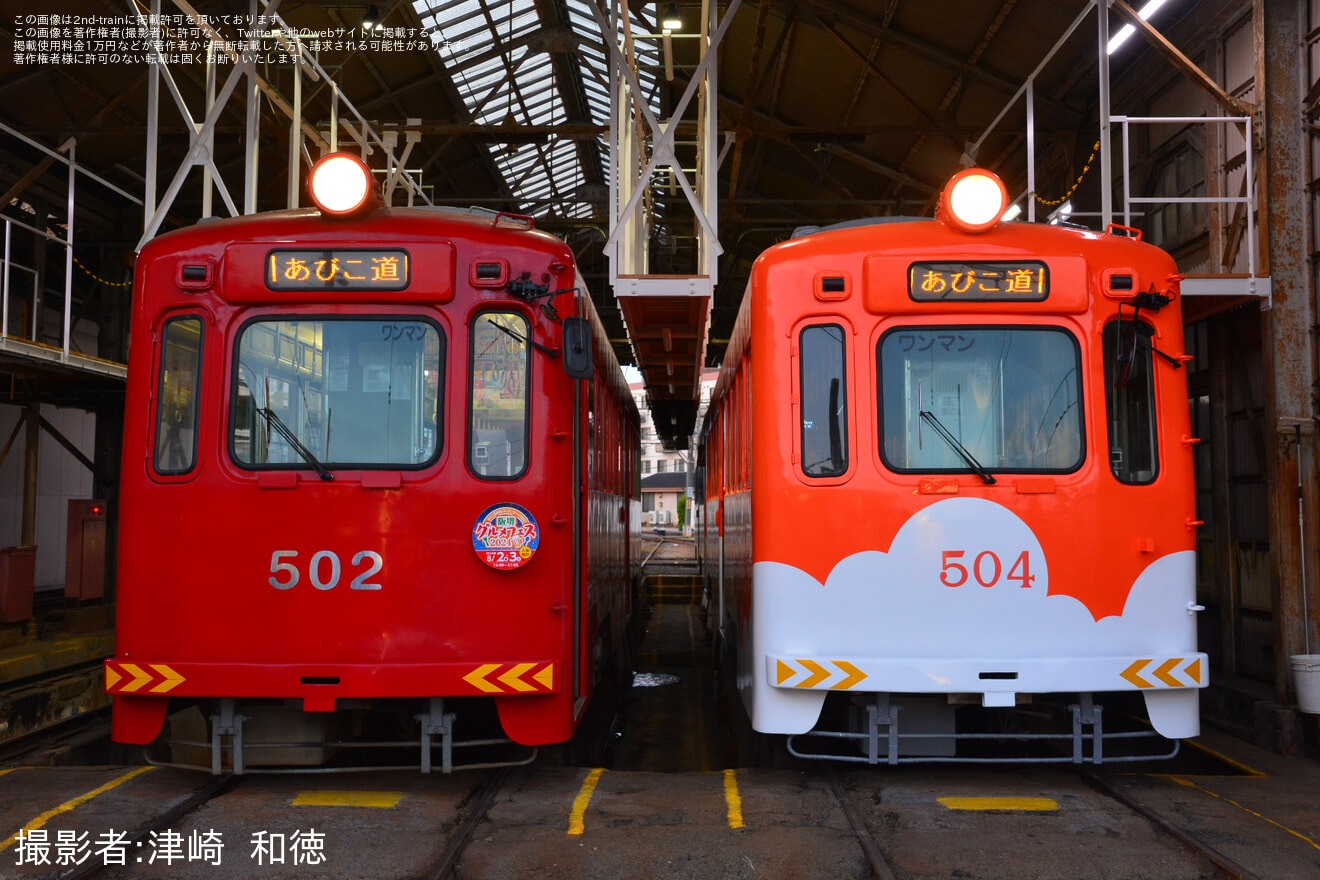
column 370, row 454
column 946, row 462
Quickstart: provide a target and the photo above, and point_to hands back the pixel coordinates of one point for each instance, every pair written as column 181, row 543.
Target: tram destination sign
column 979, row 281
column 338, row 269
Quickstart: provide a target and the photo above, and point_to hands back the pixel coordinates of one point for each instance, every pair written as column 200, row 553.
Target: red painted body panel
column 198, row 549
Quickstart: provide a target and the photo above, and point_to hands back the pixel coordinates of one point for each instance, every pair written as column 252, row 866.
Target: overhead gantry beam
column 201, row 134
column 668, row 315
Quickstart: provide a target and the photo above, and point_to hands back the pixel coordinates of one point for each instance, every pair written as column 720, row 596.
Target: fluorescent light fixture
column 371, row 21
column 1012, row 213
column 672, row 21
column 1128, row 30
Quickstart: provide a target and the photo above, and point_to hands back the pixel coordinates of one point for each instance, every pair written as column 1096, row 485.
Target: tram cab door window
column 824, row 401
column 338, row 393
column 1004, row 398
column 176, row 415
column 499, row 374
column 1130, row 401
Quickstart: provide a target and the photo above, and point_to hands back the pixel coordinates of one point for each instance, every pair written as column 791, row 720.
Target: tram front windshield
column 349, row 392
column 1008, row 395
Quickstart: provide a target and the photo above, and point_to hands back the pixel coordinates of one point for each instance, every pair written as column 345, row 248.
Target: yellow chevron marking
column 546, row 677
column 1162, row 673
column 785, row 672
column 855, row 676
column 477, row 678
column 1131, row 674
column 818, row 674
column 513, row 678
column 140, row 677
column 172, row 679
column 111, row 676
column 1194, row 670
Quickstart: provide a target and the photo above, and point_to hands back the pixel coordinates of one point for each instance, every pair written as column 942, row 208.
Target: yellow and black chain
column 96, row 277
column 1085, row 168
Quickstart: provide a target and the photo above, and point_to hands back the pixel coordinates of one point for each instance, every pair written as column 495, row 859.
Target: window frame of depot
column 813, row 369
column 482, row 471
column 353, row 371
column 168, row 390
column 1006, row 419
column 1142, row 359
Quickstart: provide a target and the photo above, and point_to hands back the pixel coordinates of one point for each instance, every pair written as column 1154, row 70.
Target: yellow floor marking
column 576, row 823
column 10, row 770
column 45, row 817
column 999, row 803
column 1187, row 782
column 1236, row 765
column 384, row 799
column 733, row 799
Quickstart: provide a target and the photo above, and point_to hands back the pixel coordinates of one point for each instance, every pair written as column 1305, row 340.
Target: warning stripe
column 1146, row 673
column 140, row 678
column 841, row 674
column 515, row 678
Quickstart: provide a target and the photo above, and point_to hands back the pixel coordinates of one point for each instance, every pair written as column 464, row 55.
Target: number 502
column 323, row 570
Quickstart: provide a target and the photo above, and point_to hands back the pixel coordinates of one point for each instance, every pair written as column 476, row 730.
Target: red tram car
column 946, row 462
column 370, row 454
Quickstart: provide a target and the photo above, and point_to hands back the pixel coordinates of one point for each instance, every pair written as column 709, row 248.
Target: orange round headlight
column 974, row 200
column 340, row 184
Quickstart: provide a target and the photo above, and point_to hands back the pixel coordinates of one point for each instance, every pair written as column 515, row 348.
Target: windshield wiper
column 274, row 421
column 957, row 447
column 550, row 352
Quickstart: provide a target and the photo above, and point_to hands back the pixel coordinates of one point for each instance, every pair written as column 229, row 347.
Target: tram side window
column 497, row 424
column 824, row 401
column 1130, row 399
column 180, row 374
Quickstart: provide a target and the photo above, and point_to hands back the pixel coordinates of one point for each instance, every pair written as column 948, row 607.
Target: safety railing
column 1235, row 283
column 29, row 345
column 1251, row 282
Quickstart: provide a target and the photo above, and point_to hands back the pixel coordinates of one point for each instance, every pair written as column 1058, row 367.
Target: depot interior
column 736, row 122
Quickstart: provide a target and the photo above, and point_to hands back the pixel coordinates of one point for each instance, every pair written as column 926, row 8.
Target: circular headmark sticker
column 506, row 536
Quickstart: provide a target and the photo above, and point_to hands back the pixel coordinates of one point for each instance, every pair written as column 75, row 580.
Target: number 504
column 986, row 568
column 323, row 569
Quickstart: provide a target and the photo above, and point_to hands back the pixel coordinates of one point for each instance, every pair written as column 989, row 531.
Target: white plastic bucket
column 1306, row 675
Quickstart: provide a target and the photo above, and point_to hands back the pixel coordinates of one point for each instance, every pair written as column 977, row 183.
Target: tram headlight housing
column 974, row 200
column 341, row 184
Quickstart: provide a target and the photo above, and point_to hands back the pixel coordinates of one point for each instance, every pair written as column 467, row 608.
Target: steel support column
column 1289, row 351
column 31, row 460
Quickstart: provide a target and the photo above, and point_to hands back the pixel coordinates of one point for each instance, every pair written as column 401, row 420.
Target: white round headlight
column 340, row 183
column 974, row 200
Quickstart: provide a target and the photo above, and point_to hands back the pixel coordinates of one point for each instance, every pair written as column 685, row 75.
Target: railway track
column 879, row 865
column 42, row 745
column 821, row 823
column 1209, row 859
column 462, row 836
column 1230, row 869
column 165, row 820
column 47, row 700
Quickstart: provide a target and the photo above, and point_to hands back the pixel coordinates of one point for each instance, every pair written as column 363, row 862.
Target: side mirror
column 578, row 362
